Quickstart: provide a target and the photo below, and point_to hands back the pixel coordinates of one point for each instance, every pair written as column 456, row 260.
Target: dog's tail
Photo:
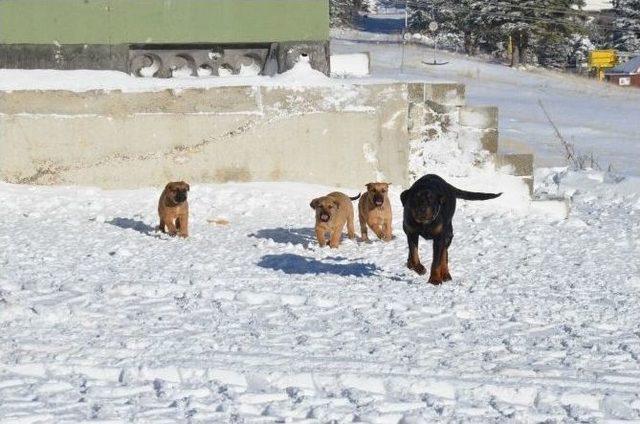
column 356, row 197
column 473, row 195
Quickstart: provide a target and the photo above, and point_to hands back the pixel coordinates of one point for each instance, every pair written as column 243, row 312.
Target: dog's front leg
column 446, row 275
column 171, row 227
column 379, row 230
column 413, row 262
column 351, row 231
column 182, row 223
column 320, row 235
column 336, row 235
column 388, row 233
column 363, row 227
column 436, row 264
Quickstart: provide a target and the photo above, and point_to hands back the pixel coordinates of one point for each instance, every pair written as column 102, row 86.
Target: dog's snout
column 181, row 196
column 324, row 217
column 378, row 200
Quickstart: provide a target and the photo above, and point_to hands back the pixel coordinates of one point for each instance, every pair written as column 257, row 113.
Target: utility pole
column 406, row 14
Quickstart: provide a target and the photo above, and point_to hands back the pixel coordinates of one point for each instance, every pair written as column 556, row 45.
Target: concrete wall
column 338, row 135
column 335, row 135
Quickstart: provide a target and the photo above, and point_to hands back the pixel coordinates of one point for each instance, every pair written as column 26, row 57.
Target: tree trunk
column 469, row 44
column 515, row 55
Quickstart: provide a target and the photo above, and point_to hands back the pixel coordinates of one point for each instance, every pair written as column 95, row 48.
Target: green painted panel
column 162, row 21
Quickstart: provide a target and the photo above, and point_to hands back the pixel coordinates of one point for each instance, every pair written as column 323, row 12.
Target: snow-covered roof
column 631, row 66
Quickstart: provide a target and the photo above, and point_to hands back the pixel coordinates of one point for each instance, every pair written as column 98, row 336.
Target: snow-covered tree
column 534, row 30
column 342, row 11
column 452, row 16
column 626, row 36
column 371, row 6
column 540, row 27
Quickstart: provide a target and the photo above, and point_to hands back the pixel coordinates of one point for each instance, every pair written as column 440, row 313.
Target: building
column 626, row 74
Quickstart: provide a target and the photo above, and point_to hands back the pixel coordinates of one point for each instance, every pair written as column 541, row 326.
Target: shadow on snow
column 133, row 224
column 296, row 264
column 302, row 236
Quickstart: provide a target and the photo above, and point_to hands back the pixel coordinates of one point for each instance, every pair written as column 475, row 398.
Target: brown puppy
column 173, row 209
column 375, row 211
column 332, row 212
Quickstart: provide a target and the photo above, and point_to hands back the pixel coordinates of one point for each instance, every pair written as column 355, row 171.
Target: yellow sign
column 599, row 60
column 603, row 59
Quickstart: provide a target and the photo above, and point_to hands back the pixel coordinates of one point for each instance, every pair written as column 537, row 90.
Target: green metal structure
column 159, row 37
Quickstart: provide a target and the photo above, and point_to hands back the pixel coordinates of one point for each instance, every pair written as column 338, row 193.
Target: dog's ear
column 368, row 185
column 188, row 186
column 314, row 203
column 404, row 197
column 336, row 204
column 168, row 186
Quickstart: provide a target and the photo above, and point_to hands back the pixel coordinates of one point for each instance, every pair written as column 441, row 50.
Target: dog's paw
column 446, row 277
column 435, row 281
column 419, row 268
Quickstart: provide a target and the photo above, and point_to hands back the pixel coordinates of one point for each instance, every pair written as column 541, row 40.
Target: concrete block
column 445, row 94
column 351, row 65
column 474, row 138
column 250, row 133
column 481, row 117
column 489, row 140
column 521, row 163
column 529, row 182
column 114, row 139
column 415, row 92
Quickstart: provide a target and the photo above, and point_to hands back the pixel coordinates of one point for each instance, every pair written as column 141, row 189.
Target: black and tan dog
column 429, row 206
column 173, row 209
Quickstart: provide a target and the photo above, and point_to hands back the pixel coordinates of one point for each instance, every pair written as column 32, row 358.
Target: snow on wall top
column 301, row 75
column 85, row 80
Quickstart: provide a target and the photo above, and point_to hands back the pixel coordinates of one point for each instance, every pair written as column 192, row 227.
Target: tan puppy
column 173, row 209
column 332, row 212
column 375, row 211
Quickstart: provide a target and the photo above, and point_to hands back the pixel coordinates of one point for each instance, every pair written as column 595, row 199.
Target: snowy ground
column 250, row 321
column 599, row 119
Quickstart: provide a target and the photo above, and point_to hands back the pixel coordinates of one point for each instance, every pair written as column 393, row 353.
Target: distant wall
column 336, row 135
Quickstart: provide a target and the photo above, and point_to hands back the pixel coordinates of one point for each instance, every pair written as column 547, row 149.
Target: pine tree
column 541, row 31
column 341, row 12
column 626, row 36
column 532, row 28
column 452, row 16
